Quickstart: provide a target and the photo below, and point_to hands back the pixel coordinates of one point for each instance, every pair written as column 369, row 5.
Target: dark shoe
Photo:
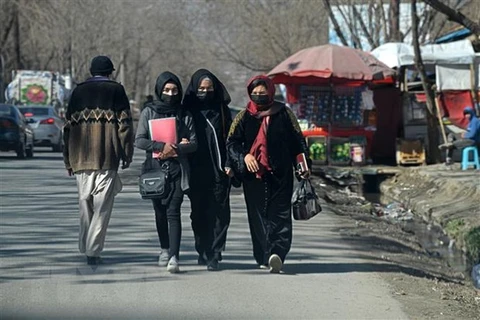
column 220, row 256
column 213, row 265
column 93, row 261
column 202, row 261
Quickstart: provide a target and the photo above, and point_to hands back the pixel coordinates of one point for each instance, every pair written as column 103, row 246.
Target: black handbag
column 305, row 203
column 154, row 182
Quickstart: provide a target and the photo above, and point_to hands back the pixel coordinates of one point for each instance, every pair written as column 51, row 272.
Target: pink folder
column 163, row 130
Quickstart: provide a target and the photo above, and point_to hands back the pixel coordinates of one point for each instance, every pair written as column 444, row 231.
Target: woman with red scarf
column 263, row 144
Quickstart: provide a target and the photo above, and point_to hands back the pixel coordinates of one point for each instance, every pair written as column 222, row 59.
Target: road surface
column 44, row 276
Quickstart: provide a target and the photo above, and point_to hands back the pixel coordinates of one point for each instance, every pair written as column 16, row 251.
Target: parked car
column 46, row 124
column 15, row 132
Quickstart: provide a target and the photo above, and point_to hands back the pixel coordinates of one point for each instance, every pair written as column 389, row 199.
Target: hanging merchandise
column 314, row 105
column 367, row 99
column 347, row 106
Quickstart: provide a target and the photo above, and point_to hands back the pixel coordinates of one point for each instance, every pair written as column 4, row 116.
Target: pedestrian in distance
column 263, row 144
column 98, row 135
column 207, row 99
column 173, row 156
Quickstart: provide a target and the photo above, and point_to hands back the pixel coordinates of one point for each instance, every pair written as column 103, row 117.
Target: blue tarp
column 453, row 36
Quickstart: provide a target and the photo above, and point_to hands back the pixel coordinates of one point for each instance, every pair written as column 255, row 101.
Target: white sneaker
column 275, row 263
column 172, row 265
column 163, row 258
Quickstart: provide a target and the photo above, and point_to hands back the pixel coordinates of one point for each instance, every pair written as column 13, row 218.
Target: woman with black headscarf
column 168, row 91
column 263, row 144
column 207, row 99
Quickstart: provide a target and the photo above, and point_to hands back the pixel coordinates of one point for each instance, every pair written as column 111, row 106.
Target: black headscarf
column 161, row 106
column 220, row 98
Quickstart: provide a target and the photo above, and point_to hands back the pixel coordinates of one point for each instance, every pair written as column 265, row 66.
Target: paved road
column 43, row 276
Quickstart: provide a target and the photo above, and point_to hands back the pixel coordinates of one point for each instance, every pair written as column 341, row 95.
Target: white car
column 46, row 124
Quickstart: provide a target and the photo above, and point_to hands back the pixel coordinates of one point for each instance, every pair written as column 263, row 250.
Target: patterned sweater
column 98, row 131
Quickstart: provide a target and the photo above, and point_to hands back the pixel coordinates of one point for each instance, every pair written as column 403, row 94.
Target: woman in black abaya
column 207, row 100
column 263, row 144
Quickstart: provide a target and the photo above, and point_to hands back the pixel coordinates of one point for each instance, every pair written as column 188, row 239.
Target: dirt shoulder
column 426, row 285
column 448, row 198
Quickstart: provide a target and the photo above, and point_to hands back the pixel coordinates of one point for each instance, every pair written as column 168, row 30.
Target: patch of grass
column 454, row 228
column 472, row 245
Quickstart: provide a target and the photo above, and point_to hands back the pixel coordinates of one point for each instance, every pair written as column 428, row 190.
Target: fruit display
column 318, row 151
column 339, row 151
column 318, row 148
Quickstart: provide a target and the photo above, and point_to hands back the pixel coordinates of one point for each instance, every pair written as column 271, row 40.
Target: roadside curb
column 448, row 198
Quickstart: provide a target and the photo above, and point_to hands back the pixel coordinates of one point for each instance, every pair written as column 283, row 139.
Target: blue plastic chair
column 466, row 163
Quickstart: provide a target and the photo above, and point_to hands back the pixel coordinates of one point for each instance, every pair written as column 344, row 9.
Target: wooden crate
column 410, row 152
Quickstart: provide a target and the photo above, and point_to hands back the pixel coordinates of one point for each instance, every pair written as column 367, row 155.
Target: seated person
column 462, row 140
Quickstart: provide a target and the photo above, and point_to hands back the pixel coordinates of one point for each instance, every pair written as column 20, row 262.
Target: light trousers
column 96, row 192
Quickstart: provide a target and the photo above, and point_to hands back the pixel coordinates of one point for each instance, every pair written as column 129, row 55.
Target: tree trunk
column 395, row 21
column 2, row 86
column 16, row 36
column 454, row 15
column 433, row 153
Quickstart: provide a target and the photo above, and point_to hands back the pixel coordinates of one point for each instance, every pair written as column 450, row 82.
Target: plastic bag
column 305, row 203
column 476, row 276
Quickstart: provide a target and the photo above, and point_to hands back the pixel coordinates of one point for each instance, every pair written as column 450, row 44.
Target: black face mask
column 170, row 100
column 205, row 95
column 260, row 99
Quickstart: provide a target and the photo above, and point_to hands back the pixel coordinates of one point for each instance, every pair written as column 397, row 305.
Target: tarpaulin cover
column 453, row 103
column 402, row 54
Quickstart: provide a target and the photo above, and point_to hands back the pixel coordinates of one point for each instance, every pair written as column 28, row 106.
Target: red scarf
column 259, row 148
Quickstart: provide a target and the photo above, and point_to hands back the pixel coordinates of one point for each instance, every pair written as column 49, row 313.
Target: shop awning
column 330, row 61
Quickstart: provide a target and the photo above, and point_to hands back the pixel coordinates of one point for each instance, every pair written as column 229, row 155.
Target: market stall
column 328, row 88
column 455, row 70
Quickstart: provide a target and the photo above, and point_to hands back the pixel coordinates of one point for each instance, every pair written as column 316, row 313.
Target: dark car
column 15, row 133
column 46, row 124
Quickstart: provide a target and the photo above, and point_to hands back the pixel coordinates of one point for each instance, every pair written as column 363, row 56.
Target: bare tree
column 455, row 15
column 432, row 123
column 247, row 33
column 370, row 23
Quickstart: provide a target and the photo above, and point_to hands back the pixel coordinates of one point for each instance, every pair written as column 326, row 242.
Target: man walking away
column 98, row 134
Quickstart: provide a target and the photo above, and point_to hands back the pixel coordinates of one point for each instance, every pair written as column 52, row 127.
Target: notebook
column 302, row 164
column 163, row 130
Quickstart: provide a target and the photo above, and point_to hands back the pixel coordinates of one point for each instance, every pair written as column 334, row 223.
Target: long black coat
column 268, row 199
column 284, row 142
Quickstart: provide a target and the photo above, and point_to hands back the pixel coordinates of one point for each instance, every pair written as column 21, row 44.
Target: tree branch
column 455, row 15
column 336, row 26
column 359, row 18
